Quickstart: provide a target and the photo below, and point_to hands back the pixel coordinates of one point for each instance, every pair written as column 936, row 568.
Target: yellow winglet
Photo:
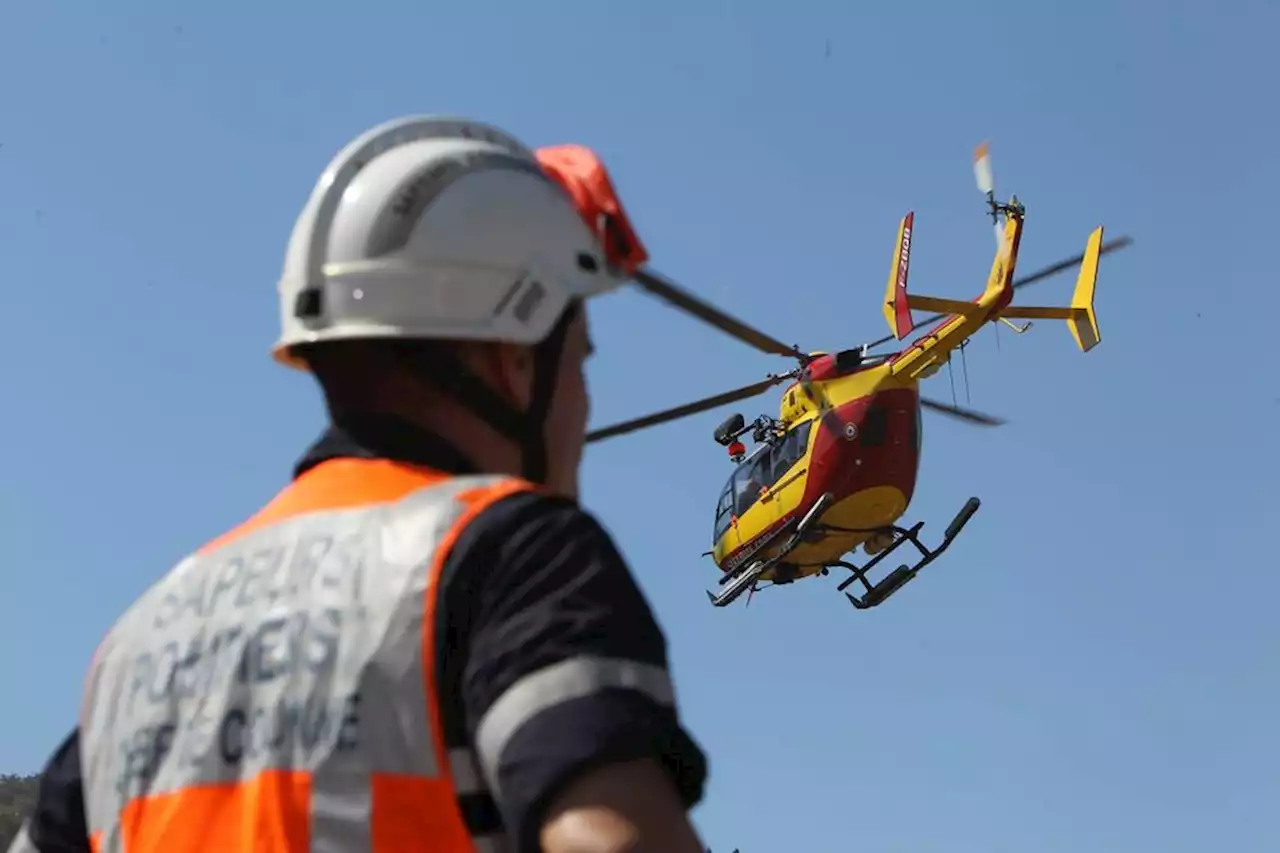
column 1084, row 322
column 1081, row 319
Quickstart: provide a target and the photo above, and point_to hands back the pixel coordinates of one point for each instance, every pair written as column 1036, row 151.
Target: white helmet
column 442, row 228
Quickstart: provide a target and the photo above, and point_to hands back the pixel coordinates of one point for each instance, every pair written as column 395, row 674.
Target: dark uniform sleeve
column 555, row 660
column 57, row 823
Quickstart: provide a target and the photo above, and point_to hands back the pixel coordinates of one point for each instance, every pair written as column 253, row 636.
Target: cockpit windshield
column 762, row 469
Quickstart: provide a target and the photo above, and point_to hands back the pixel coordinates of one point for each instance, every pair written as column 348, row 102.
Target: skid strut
column 878, row 593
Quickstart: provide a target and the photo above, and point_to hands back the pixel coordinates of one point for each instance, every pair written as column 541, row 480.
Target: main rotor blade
column 1039, row 275
column 682, row 299
column 960, row 413
column 687, row 409
column 1074, row 261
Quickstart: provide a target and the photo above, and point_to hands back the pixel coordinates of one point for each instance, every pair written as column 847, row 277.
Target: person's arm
column 630, row 806
column 567, row 697
column 57, row 822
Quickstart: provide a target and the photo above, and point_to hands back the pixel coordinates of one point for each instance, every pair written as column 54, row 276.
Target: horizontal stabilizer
column 1080, row 317
column 943, row 306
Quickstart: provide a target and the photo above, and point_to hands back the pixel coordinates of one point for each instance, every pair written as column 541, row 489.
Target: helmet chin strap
column 437, row 366
column 546, row 374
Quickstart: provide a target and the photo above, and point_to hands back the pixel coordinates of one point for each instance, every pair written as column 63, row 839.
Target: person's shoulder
column 518, row 525
column 533, row 508
column 56, row 822
column 537, row 558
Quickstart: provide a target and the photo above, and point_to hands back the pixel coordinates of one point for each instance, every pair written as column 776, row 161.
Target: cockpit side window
column 724, row 510
column 749, row 479
column 790, row 451
column 726, row 499
column 764, row 469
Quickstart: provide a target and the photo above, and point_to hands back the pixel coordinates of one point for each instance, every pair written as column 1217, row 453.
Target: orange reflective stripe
column 337, row 484
column 270, row 814
column 266, row 814
column 477, row 500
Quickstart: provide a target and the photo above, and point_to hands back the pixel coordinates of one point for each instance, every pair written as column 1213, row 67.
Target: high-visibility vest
column 276, row 691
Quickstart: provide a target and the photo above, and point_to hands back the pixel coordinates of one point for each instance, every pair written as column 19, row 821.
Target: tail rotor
column 986, row 181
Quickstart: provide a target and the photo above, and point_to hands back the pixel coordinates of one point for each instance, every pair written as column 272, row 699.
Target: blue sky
column 1093, row 665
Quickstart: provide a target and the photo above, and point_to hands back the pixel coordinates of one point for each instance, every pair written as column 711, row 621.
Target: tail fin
column 1080, row 317
column 1084, row 322
column 897, row 310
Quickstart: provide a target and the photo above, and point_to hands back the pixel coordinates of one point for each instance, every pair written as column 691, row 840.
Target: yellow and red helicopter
column 837, row 468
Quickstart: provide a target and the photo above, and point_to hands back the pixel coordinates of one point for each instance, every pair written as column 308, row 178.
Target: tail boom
column 927, row 354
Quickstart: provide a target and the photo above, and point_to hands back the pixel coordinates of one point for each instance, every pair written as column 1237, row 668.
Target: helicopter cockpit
column 767, row 464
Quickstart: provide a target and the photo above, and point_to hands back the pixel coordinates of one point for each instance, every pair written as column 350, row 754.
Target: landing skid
column 745, row 580
column 879, row 593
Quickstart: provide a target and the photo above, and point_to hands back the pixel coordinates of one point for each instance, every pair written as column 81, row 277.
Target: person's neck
column 488, row 451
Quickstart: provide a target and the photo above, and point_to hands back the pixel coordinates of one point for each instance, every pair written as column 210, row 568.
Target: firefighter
column 423, row 642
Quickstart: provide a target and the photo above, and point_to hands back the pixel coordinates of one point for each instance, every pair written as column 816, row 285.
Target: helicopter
column 837, row 468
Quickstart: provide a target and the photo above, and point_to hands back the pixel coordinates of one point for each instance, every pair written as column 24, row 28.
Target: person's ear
column 511, row 368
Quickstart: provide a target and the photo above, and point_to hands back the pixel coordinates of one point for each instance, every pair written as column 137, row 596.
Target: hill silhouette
column 17, row 796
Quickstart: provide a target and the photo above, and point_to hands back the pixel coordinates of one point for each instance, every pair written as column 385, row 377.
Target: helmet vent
column 309, row 303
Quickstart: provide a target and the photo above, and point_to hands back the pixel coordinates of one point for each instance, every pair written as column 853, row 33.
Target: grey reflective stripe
column 491, row 844
column 558, row 683
column 466, row 773
column 297, row 646
column 22, row 842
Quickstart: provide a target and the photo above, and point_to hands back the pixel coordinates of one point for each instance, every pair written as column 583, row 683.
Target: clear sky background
column 1093, row 665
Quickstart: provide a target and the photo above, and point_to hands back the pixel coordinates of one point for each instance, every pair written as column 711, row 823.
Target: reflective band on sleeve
column 492, row 844
column 466, row 776
column 22, row 841
column 553, row 685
